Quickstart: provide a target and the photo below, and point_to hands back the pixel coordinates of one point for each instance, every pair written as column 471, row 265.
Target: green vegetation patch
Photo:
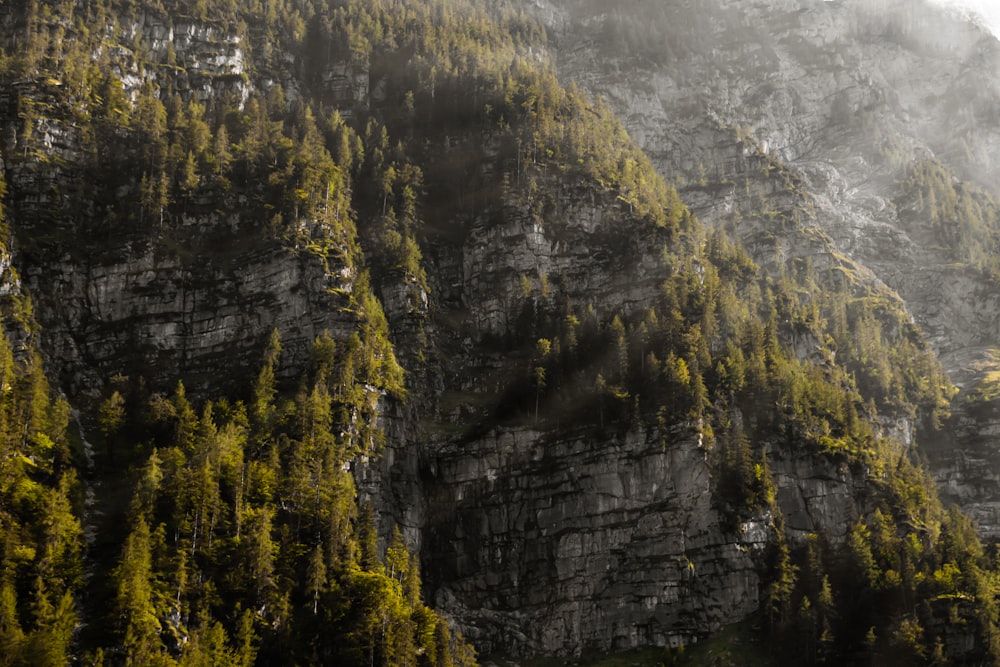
column 988, row 387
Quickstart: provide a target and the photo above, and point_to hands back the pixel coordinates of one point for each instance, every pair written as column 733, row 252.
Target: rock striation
column 567, row 544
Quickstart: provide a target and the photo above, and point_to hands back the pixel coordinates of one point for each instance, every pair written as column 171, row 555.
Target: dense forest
column 154, row 527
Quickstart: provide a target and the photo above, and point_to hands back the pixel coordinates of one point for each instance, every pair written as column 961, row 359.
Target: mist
column 988, row 11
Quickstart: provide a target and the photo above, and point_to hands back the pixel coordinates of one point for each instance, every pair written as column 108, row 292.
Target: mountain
column 879, row 116
column 351, row 332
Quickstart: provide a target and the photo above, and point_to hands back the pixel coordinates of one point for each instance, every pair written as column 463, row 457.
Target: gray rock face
column 569, row 543
column 558, row 545
column 207, row 61
column 970, row 475
column 838, row 96
column 817, row 495
column 160, row 316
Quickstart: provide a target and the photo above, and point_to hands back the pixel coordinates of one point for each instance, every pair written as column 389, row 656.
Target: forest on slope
column 876, row 122
column 227, row 526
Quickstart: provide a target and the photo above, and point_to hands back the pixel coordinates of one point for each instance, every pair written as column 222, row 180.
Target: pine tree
column 11, row 634
column 139, row 624
column 368, row 539
column 262, row 410
column 316, row 577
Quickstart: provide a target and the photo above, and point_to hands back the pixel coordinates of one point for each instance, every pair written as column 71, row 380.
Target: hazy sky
column 989, row 10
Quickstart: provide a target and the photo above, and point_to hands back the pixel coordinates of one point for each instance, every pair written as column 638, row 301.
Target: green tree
column 543, row 347
column 139, row 624
column 11, row 633
column 262, row 409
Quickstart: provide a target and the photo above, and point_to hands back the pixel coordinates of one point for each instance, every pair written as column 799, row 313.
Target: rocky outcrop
column 565, row 544
column 970, row 474
column 206, row 61
column 543, row 541
column 161, row 317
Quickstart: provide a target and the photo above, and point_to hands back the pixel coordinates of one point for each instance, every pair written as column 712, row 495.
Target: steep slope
column 825, row 90
column 851, row 113
column 614, row 428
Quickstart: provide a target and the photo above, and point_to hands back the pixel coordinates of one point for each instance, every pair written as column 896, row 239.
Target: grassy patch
column 988, row 387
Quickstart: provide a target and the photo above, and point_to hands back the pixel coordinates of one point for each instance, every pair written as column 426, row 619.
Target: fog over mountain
column 987, row 11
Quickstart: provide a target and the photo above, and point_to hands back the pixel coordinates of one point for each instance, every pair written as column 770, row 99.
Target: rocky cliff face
column 562, row 544
column 140, row 298
column 176, row 319
column 840, row 98
column 557, row 544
